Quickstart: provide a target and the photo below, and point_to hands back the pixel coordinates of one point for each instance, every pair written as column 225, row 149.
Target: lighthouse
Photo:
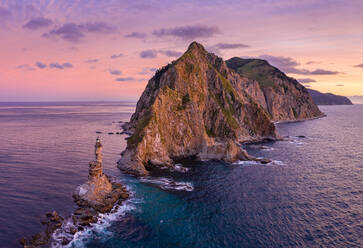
column 95, row 167
column 98, row 150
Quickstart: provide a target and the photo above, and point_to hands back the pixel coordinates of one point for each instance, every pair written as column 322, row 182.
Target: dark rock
column 65, row 241
column 301, row 136
column 39, row 239
column 22, row 241
column 265, row 161
column 110, row 132
column 98, row 132
column 73, row 230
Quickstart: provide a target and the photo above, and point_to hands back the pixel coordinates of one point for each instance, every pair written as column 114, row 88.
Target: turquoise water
column 311, row 195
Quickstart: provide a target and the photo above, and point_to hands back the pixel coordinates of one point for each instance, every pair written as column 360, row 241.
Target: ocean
column 311, row 195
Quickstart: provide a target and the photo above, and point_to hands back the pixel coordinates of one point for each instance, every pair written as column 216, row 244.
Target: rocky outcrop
column 284, row 98
column 98, row 195
column 99, row 192
column 193, row 108
column 328, row 98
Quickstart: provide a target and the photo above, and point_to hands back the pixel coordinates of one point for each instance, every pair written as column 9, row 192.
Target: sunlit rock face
column 99, row 192
column 193, row 108
column 284, row 98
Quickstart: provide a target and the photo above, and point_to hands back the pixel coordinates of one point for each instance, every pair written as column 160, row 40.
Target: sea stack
column 98, row 195
column 193, row 109
column 100, row 192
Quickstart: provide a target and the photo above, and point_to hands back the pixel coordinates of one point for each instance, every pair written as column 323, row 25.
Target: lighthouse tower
column 98, row 150
column 95, row 167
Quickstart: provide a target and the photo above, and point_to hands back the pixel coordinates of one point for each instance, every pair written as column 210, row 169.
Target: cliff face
column 192, row 108
column 328, row 98
column 282, row 97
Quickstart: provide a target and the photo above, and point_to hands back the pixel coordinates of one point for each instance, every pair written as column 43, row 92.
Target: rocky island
column 200, row 107
column 98, row 195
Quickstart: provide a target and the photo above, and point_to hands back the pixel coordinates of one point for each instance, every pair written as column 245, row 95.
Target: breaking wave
column 98, row 229
column 168, row 184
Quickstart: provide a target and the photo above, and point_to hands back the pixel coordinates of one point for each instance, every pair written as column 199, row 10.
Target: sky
column 78, row 50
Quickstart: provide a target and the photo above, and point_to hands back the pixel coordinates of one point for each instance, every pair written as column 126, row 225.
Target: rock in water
column 284, row 98
column 99, row 192
column 193, row 108
column 98, row 195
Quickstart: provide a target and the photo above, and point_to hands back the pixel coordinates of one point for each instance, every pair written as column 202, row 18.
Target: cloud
column 306, row 80
column 25, row 67
column 40, row 65
column 307, row 86
column 115, row 56
column 4, row 13
column 171, row 53
column 339, row 85
column 98, row 27
column 148, row 54
column 115, row 72
column 289, row 65
column 60, row 66
column 188, row 32
column 360, row 65
column 136, row 35
column 323, row 72
column 286, row 64
column 90, row 61
column 37, row 23
column 75, row 32
column 222, row 46
column 125, row 79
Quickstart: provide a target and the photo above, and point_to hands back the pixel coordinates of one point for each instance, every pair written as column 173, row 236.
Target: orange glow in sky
column 107, row 50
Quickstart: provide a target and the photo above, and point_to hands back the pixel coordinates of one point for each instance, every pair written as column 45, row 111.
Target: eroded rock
column 193, row 108
column 98, row 195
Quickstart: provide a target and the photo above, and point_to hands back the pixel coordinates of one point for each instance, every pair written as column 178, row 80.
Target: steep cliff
column 328, row 98
column 283, row 97
column 192, row 108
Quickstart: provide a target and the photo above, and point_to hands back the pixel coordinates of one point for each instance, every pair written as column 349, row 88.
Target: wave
column 98, row 229
column 296, row 142
column 168, row 184
column 177, row 167
column 252, row 162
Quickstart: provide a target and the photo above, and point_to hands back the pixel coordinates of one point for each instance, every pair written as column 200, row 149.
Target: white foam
column 166, row 183
column 251, row 163
column 180, row 168
column 177, row 167
column 296, row 142
column 98, row 229
column 247, row 162
column 277, row 162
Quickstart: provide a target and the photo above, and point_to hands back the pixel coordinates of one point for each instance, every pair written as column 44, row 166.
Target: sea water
column 310, row 195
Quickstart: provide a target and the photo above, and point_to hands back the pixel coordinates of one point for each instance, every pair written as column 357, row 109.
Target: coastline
column 300, row 120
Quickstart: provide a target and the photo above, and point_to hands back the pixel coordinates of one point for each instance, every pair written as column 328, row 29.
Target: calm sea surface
column 311, row 195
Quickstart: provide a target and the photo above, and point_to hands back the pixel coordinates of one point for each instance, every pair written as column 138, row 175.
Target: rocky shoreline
column 97, row 196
